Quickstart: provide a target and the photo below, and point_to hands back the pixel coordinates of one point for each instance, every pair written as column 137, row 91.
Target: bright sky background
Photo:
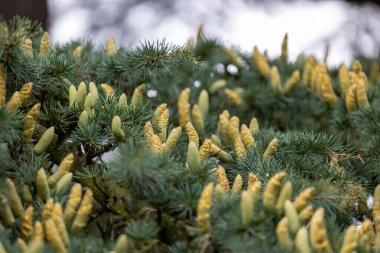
column 244, row 25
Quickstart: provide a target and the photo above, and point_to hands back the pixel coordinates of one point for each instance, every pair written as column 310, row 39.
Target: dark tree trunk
column 34, row 9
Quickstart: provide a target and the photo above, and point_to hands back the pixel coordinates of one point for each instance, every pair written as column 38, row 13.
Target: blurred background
column 348, row 27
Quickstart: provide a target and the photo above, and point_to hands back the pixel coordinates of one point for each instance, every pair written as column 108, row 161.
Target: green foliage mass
column 155, row 198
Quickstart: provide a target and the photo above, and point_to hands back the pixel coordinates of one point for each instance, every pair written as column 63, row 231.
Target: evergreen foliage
column 195, row 148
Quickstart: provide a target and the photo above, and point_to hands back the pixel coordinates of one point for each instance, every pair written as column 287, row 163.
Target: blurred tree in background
column 357, row 29
column 36, row 10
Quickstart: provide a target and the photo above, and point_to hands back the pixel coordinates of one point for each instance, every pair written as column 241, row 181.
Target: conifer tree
column 162, row 148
